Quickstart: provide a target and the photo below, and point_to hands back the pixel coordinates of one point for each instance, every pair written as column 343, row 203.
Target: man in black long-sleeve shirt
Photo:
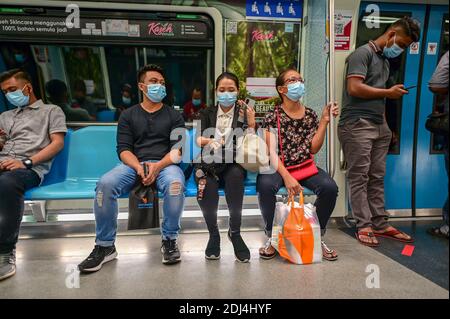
column 143, row 136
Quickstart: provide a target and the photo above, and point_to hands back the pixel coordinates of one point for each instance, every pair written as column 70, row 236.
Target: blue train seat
column 106, row 116
column 90, row 152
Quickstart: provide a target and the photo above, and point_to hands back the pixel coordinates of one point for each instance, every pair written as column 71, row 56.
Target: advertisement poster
column 343, row 30
column 257, row 52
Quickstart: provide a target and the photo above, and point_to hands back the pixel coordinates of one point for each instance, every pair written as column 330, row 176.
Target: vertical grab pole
column 331, row 94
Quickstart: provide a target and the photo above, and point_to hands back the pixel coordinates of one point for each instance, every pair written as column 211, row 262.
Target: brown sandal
column 264, row 251
column 367, row 234
column 327, row 253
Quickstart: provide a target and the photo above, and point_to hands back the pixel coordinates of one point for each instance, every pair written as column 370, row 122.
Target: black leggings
column 232, row 179
column 321, row 184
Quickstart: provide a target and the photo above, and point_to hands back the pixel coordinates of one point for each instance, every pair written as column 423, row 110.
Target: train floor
column 44, row 270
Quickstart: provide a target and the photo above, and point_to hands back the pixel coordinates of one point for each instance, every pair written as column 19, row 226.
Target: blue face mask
column 156, row 92
column 392, row 52
column 296, row 91
column 227, row 99
column 126, row 100
column 197, row 102
column 17, row 98
column 20, row 58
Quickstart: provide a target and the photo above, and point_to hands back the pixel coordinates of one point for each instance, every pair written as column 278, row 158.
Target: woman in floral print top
column 296, row 134
column 302, row 135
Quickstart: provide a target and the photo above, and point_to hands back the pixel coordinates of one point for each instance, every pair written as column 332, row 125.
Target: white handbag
column 252, row 153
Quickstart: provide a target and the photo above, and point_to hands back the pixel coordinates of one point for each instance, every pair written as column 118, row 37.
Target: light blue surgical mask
column 156, row 92
column 126, row 100
column 227, row 99
column 296, row 91
column 197, row 102
column 20, row 58
column 393, row 51
column 17, row 98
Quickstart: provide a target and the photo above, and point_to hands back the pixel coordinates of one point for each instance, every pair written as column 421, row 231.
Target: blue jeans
column 119, row 181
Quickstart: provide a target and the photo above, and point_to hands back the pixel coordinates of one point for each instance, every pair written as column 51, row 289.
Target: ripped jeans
column 120, row 180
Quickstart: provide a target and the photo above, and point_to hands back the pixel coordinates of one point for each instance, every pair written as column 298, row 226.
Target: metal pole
column 331, row 93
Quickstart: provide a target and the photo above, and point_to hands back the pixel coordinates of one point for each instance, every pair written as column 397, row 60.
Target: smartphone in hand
column 145, row 169
column 250, row 103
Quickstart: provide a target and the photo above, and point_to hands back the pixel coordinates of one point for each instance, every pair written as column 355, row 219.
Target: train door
column 400, row 114
column 431, row 182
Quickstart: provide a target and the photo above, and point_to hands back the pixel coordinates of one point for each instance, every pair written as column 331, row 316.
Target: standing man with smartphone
column 363, row 132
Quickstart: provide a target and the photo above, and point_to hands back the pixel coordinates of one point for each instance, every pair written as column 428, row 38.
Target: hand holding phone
column 410, row 87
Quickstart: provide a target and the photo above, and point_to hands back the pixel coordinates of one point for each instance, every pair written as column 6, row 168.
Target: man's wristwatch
column 28, row 163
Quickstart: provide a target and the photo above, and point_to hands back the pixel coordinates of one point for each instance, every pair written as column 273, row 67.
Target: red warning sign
column 408, row 250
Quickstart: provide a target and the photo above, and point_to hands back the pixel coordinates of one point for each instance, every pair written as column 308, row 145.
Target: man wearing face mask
column 363, row 132
column 143, row 138
column 58, row 94
column 192, row 108
column 30, row 137
column 126, row 100
column 81, row 99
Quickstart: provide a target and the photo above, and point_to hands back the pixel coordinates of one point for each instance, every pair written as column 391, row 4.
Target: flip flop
column 367, row 234
column 391, row 235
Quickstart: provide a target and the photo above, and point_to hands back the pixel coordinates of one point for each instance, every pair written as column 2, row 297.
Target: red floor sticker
column 408, row 250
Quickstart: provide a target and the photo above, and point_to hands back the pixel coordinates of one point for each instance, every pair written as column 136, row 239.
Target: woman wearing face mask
column 220, row 120
column 302, row 135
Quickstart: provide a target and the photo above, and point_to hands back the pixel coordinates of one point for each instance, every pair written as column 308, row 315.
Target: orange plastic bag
column 296, row 232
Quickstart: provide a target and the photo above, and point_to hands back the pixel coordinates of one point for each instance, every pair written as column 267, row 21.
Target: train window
column 438, row 141
column 96, row 83
column 85, row 78
column 189, row 73
column 397, row 71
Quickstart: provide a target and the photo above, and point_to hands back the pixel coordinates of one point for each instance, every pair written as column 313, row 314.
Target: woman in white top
column 217, row 125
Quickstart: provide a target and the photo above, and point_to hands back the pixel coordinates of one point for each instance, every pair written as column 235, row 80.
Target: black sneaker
column 170, row 252
column 241, row 251
column 212, row 251
column 99, row 256
column 7, row 265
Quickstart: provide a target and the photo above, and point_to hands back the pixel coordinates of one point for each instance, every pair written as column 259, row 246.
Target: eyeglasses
column 293, row 80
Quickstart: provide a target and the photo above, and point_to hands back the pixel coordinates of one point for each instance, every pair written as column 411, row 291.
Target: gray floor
column 138, row 272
